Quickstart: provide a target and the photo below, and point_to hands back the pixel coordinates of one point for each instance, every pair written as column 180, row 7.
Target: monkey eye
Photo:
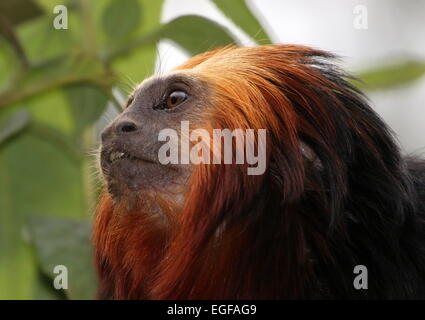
column 175, row 98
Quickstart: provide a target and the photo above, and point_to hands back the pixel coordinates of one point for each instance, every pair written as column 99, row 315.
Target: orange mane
column 241, row 236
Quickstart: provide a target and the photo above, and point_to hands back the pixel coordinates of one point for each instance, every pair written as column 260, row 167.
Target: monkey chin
column 132, row 178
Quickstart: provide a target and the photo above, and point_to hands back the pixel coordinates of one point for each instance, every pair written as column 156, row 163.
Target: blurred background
column 60, row 86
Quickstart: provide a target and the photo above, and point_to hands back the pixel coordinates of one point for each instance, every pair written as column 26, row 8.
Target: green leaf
column 87, row 104
column 241, row 15
column 44, row 291
column 139, row 61
column 65, row 242
column 50, row 108
column 58, row 139
column 16, row 123
column 121, row 17
column 36, row 177
column 41, row 41
column 390, row 76
column 193, row 33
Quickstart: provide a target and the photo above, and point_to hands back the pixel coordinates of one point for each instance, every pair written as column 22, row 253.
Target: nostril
column 126, row 127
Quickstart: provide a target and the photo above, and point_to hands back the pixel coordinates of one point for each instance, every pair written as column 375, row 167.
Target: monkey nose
column 125, row 126
column 118, row 128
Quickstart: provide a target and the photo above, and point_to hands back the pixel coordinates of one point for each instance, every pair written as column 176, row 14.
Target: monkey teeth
column 116, row 155
column 119, row 155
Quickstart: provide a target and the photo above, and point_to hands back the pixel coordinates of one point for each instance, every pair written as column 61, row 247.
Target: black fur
column 376, row 199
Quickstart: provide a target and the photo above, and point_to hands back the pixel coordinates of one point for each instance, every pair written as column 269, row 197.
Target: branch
column 7, row 30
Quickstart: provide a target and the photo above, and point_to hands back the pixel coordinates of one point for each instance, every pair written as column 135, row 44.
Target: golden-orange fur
column 240, row 236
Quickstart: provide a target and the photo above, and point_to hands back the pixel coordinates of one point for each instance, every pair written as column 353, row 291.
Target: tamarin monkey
column 337, row 200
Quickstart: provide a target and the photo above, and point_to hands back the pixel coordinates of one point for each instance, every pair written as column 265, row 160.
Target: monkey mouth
column 117, row 155
column 113, row 156
column 128, row 173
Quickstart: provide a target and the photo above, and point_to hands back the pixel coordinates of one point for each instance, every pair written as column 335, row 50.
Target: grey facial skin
column 129, row 154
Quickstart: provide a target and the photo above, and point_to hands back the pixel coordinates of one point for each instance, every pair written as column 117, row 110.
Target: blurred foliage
column 241, row 15
column 13, row 125
column 68, row 242
column 393, row 75
column 54, row 86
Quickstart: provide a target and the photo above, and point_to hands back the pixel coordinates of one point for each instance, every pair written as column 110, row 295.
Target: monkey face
column 130, row 144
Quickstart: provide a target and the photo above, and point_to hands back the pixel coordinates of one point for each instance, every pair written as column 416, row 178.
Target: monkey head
column 130, row 145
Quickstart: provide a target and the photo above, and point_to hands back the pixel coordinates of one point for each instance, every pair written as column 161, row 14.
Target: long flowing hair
column 336, row 193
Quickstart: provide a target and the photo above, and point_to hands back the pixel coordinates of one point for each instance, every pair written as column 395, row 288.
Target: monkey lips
column 128, row 173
